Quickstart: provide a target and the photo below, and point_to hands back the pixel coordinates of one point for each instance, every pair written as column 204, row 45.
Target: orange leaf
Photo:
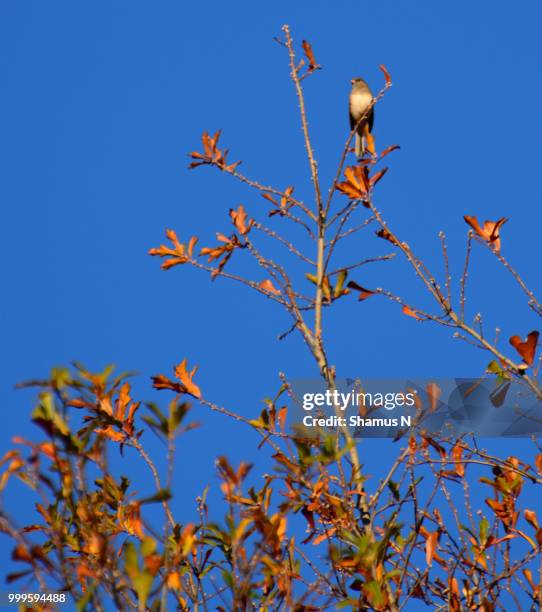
column 173, row 581
column 357, row 176
column 531, row 518
column 239, row 218
column 356, row 184
column 110, row 433
column 122, row 402
column 282, row 417
column 222, row 250
column 411, row 313
column 324, row 535
column 270, row 198
column 457, row 453
column 186, row 378
column 349, row 190
column 526, row 349
column 529, row 577
column 490, row 232
column 267, row 285
column 309, row 54
column 286, row 196
column 153, row 563
column 504, row 511
column 430, row 547
column 163, row 382
column 21, row 553
column 177, row 254
column 370, row 140
column 130, row 519
column 212, row 154
column 191, row 245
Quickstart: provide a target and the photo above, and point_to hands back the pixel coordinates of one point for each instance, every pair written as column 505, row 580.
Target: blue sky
column 103, row 100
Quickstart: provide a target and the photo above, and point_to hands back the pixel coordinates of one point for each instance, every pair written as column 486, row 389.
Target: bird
column 359, row 101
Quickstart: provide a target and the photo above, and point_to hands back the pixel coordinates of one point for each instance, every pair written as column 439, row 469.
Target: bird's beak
column 351, row 81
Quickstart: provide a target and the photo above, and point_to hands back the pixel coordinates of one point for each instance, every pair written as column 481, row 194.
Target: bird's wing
column 352, row 120
column 371, row 118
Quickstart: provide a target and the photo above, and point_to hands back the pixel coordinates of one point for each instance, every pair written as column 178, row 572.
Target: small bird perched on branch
column 360, row 100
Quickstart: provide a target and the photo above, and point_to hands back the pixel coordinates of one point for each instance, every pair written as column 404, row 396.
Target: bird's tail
column 359, row 146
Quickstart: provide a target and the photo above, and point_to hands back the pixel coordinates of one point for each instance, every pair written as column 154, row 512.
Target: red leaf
column 526, row 349
column 364, row 293
column 309, row 54
column 389, row 150
column 376, row 177
column 386, row 74
column 385, row 235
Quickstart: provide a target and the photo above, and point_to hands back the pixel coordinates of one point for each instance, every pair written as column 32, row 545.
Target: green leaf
column 341, row 278
column 494, row 367
column 228, row 578
column 82, row 603
column 177, row 412
column 142, row 584
column 484, row 530
column 374, row 591
column 204, row 495
column 345, row 603
column 160, row 496
column 156, row 411
column 46, row 415
column 60, row 377
column 108, row 370
column 394, row 488
column 148, row 546
column 282, row 389
column 131, row 563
